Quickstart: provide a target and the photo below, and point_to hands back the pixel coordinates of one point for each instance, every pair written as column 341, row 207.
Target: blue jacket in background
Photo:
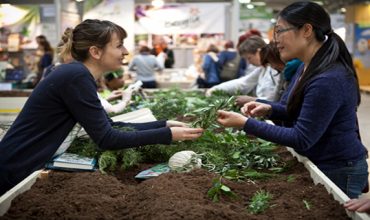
column 211, row 70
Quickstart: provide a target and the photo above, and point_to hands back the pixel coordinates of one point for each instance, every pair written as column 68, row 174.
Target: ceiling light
column 343, row 10
column 157, row 3
column 250, row 6
column 259, row 3
column 273, row 20
column 244, row 1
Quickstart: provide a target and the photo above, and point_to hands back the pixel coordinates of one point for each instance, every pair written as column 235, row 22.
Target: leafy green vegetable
column 206, row 117
column 259, row 202
column 218, row 189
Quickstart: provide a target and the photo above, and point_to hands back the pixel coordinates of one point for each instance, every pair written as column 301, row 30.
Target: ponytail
column 65, row 45
column 332, row 51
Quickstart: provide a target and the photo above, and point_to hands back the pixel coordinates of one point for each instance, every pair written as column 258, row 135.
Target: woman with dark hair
column 68, row 96
column 269, row 56
column 45, row 53
column 322, row 104
column 145, row 65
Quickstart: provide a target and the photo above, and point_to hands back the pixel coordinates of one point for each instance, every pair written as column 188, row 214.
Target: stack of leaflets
column 153, row 172
column 72, row 162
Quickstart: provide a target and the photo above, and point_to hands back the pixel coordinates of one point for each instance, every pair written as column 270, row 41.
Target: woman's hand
column 358, row 205
column 126, row 95
column 231, row 119
column 243, row 99
column 209, row 92
column 115, row 95
column 256, row 109
column 181, row 133
column 171, row 124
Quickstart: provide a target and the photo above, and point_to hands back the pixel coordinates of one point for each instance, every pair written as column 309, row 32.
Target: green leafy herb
column 218, row 189
column 259, row 202
column 206, row 117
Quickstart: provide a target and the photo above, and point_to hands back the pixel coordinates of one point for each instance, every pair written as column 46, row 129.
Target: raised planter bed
column 93, row 195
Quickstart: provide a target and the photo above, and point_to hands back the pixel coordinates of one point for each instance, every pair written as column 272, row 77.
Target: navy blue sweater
column 60, row 101
column 325, row 130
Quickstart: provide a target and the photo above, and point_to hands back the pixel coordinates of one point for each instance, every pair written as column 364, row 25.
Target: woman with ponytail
column 322, row 103
column 68, row 96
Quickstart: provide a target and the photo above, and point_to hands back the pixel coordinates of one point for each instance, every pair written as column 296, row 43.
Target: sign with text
column 180, row 18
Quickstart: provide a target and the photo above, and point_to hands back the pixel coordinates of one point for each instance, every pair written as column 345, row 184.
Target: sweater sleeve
column 245, row 84
column 84, row 105
column 269, row 84
column 319, row 106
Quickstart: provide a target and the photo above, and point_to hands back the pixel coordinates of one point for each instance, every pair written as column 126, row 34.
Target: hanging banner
column 119, row 12
column 180, row 19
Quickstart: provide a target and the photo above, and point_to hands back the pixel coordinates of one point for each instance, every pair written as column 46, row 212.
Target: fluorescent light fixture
column 158, row 3
column 259, row 3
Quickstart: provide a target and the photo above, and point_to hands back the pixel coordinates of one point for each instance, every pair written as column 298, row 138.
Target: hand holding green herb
column 231, row 119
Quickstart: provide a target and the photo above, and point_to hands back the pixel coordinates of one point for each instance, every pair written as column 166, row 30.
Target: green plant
column 107, row 161
column 130, row 158
column 259, row 202
column 291, row 178
column 206, row 117
column 218, row 189
column 307, row 205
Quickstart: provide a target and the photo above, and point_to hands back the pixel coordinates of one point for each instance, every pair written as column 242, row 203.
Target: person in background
column 160, row 49
column 44, row 53
column 69, row 96
column 288, row 70
column 61, row 58
column 211, row 70
column 264, row 82
column 113, row 91
column 114, row 80
column 248, row 67
column 248, row 34
column 269, row 56
column 145, row 65
column 230, row 63
column 322, row 104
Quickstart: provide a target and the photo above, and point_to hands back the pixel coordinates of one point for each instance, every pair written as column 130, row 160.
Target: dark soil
column 92, row 195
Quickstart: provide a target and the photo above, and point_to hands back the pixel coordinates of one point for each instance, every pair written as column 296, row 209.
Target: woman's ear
column 95, row 52
column 307, row 30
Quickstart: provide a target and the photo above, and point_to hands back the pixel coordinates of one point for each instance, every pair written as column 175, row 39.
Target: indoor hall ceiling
column 276, row 5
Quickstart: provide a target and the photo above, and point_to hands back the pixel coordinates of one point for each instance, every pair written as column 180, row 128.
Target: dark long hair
column 270, row 55
column 332, row 51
